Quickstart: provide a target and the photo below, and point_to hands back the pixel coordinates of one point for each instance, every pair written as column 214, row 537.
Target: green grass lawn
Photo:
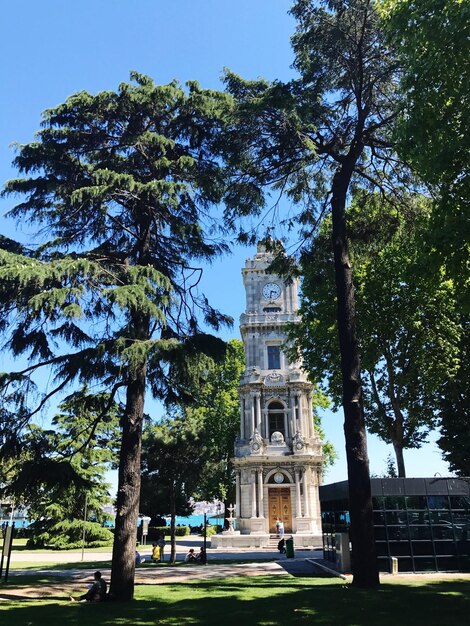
column 260, row 601
column 19, row 545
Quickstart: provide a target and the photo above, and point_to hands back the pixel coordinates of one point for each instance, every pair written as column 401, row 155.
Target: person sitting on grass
column 155, row 552
column 161, row 544
column 202, row 556
column 190, row 557
column 96, row 592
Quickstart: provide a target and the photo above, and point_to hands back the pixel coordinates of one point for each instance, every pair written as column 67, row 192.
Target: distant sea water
column 195, row 520
column 190, row 520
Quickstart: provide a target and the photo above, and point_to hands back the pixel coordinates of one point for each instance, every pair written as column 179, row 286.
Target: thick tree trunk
column 128, row 495
column 398, row 447
column 129, row 475
column 396, row 429
column 364, row 562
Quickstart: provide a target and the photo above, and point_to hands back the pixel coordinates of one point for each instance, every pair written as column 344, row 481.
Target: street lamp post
column 84, row 526
column 205, row 536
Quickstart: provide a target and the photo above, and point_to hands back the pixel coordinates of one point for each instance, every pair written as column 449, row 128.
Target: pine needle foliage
column 60, row 472
column 119, row 187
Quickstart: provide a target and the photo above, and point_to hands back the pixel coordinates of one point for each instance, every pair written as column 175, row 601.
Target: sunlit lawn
column 263, row 601
column 36, row 565
column 19, row 545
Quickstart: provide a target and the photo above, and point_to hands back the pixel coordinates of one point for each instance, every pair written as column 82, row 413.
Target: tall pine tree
column 118, row 186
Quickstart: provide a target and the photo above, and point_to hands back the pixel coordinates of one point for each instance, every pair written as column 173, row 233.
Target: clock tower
column 278, row 455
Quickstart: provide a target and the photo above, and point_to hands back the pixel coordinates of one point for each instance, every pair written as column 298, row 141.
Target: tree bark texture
column 128, row 495
column 398, row 448
column 364, row 562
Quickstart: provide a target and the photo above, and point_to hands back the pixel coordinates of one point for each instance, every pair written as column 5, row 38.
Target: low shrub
column 68, row 534
column 157, row 531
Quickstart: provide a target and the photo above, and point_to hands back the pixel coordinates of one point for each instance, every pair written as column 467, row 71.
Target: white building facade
column 278, row 455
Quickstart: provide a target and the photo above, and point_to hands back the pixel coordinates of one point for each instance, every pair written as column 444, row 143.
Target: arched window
column 276, row 418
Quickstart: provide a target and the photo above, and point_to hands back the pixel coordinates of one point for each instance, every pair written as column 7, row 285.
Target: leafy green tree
column 319, row 400
column 218, row 409
column 60, row 473
column 174, row 455
column 454, row 411
column 315, row 139
column 391, row 471
column 408, row 329
column 431, row 37
column 119, row 185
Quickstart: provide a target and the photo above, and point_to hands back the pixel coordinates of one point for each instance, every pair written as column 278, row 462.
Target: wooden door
column 280, row 506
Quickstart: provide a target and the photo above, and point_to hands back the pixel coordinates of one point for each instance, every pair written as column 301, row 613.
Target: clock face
column 271, row 291
column 278, row 477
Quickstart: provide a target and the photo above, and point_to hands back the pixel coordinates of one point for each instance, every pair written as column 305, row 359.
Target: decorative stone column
column 292, row 414
column 304, row 523
column 257, row 522
column 238, row 495
column 260, row 494
column 258, row 411
column 297, row 493
column 298, row 421
column 310, row 415
column 253, row 494
column 306, row 490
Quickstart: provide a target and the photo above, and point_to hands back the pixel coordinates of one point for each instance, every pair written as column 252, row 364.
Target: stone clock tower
column 278, row 456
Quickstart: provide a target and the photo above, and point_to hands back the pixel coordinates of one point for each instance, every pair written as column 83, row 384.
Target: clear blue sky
column 53, row 48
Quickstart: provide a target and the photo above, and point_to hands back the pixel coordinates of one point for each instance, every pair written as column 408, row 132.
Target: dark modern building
column 423, row 522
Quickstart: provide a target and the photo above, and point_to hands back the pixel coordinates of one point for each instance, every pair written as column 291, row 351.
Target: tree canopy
column 315, row 139
column 454, row 409
column 431, row 37
column 119, row 186
column 408, row 329
column 60, row 473
column 218, row 409
column 174, row 455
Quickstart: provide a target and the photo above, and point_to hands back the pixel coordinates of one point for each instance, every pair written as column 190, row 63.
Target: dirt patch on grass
column 48, row 591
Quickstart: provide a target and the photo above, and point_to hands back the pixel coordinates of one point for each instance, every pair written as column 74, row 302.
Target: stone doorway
column 280, row 506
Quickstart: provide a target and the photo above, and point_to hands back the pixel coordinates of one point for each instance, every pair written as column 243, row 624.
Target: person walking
column 281, row 546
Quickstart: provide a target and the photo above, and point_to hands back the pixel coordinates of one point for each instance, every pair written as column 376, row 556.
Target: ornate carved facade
column 278, row 457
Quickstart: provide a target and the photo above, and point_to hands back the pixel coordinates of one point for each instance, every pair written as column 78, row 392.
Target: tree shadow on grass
column 79, row 565
column 260, row 601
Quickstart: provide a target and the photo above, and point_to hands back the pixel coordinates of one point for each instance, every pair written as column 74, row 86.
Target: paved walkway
column 75, row 581
column 249, row 562
column 182, row 546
